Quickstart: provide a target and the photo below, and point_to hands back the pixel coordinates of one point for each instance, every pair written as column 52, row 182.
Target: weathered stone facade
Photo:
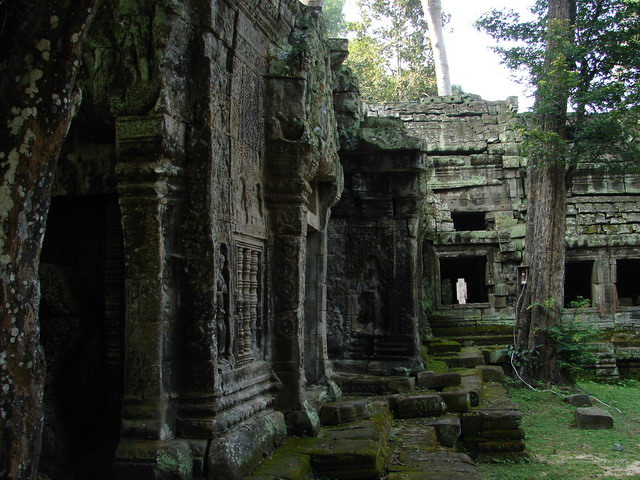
column 374, row 289
column 205, row 155
column 475, row 220
column 210, row 262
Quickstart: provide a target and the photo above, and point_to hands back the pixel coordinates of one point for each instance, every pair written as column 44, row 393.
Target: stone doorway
column 577, row 281
column 627, row 283
column 82, row 320
column 473, row 270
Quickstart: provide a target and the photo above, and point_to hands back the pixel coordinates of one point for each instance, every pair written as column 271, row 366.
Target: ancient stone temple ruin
column 231, row 231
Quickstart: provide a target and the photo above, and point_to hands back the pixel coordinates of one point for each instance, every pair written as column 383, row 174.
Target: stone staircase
column 423, row 427
column 473, row 333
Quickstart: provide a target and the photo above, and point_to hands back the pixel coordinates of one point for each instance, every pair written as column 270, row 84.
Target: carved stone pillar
column 288, row 204
column 147, row 194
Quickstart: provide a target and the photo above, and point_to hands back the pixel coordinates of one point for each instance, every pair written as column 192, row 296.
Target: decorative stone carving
column 224, row 327
column 248, row 300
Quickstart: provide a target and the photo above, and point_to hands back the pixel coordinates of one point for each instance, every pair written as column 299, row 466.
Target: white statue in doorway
column 461, row 291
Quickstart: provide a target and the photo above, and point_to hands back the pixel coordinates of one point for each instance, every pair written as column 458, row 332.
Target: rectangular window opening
column 472, row 272
column 465, row 221
column 577, row 282
column 627, row 284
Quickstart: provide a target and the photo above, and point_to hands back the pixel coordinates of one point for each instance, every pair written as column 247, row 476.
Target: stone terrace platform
column 431, row 426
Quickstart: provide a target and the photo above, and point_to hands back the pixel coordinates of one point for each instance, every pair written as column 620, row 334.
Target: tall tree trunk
column 432, row 10
column 41, row 43
column 545, row 242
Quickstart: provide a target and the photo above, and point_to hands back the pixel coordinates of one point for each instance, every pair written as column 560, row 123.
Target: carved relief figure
column 370, row 298
column 223, row 323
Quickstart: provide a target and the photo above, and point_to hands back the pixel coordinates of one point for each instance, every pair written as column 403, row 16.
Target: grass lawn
column 560, row 451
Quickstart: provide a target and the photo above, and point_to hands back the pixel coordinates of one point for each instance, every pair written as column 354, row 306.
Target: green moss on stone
column 285, row 464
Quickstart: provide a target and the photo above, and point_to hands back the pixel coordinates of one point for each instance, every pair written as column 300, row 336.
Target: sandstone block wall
column 476, row 216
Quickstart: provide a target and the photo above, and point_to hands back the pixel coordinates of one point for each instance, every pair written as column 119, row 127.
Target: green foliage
column 523, row 359
column 548, row 304
column 603, row 78
column 573, row 340
column 389, row 51
column 580, row 302
column 334, row 19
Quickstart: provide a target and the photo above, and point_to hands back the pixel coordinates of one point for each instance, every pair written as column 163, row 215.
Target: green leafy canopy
column 389, row 48
column 604, row 78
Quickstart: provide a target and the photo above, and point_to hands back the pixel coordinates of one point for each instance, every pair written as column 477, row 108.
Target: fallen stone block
column 437, row 381
column 425, row 405
column 335, row 413
column 457, row 401
column 593, row 418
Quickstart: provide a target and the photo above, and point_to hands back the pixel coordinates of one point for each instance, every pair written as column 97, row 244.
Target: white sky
column 472, row 63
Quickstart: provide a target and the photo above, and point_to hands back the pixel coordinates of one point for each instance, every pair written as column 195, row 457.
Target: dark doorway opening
column 464, row 221
column 627, row 283
column 577, row 282
column 472, row 269
column 82, row 323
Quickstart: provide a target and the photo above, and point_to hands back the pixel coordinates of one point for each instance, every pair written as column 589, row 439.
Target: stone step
column 491, row 373
column 426, row 465
column 417, row 405
column 470, row 382
column 358, row 384
column 437, row 381
column 363, row 430
column 349, row 459
column 335, row 413
column 466, row 358
column 448, row 429
column 438, row 346
column 493, row 432
column 354, row 451
column 414, row 435
column 476, row 334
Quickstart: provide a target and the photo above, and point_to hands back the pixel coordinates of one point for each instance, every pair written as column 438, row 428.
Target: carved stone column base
column 153, row 460
column 237, row 452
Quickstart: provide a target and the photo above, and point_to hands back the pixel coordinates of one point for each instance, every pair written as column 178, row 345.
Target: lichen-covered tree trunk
column 41, row 42
column 432, row 10
column 545, row 239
